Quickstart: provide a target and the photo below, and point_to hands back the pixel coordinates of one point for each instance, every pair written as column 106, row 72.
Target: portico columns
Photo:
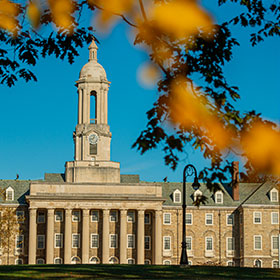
column 158, row 237
column 68, row 236
column 123, row 236
column 105, row 237
column 32, row 246
column 50, row 236
column 85, row 240
column 140, row 237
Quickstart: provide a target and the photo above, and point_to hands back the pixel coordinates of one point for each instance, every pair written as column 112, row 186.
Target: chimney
column 235, row 180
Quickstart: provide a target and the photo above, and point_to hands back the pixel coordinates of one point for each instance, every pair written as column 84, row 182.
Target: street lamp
column 189, row 170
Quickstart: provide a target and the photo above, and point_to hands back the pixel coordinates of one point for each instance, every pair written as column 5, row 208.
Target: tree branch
column 143, row 10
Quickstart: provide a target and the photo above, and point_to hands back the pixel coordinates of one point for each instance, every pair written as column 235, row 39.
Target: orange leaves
column 8, row 16
column 261, row 145
column 34, row 14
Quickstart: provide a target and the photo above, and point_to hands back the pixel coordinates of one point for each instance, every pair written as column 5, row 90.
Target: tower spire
column 93, row 51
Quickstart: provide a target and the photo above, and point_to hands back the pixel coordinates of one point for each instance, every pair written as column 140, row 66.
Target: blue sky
column 37, row 119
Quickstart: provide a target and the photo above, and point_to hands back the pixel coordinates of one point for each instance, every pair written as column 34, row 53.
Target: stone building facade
column 94, row 214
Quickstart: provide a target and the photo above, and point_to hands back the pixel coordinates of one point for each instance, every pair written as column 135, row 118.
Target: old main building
column 93, row 214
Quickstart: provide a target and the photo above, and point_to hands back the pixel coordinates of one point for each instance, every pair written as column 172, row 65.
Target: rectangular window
column 188, row 218
column 188, row 242
column 147, row 218
column 147, row 242
column 230, row 219
column 75, row 240
column 257, row 217
column 167, row 243
column 167, row 219
column 275, row 218
column 219, row 198
column 41, row 217
column 209, row 219
column 76, row 215
column 58, row 242
column 274, row 195
column 257, row 242
column 131, row 216
column 274, row 242
column 9, row 195
column 113, row 241
column 131, row 241
column 113, row 216
column 58, row 216
column 94, row 216
column 177, row 197
column 94, row 240
column 230, row 243
column 19, row 241
column 20, row 216
column 209, row 243
column 40, row 241
column 93, row 149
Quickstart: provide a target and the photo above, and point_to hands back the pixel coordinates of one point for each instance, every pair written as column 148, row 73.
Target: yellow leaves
column 261, row 145
column 34, row 14
column 148, row 74
column 8, row 16
column 180, row 18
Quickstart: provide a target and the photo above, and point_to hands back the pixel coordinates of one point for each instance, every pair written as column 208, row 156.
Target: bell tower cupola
column 92, row 136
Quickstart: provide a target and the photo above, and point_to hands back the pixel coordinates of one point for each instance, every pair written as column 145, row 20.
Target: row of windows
column 257, row 218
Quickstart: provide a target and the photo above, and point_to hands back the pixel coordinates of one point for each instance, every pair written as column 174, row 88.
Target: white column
column 140, row 237
column 68, row 236
column 32, row 246
column 123, row 236
column 50, row 237
column 158, row 238
column 105, row 237
column 80, row 97
column 85, row 240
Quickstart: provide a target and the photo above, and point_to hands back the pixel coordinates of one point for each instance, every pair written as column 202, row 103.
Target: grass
column 134, row 272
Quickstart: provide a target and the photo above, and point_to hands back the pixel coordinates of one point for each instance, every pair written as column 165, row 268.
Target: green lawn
column 134, row 272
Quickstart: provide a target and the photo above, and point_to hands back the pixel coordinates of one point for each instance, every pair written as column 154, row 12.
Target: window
column 113, row 241
column 188, row 218
column 131, row 216
column 75, row 260
column 94, row 240
column 257, row 242
column 131, row 261
column 177, row 196
column 257, row 217
column 76, row 215
column 230, row 263
column 230, row 219
column 147, row 261
column 18, row 261
column 147, row 242
column 189, row 243
column 274, row 195
column 9, row 194
column 20, row 216
column 131, row 241
column 76, row 240
column 40, row 241
column 58, row 261
column 94, row 216
column 94, row 260
column 113, row 216
column 113, row 260
column 58, row 242
column 209, row 243
column 275, row 218
column 167, row 219
column 58, row 216
column 257, row 263
column 167, row 243
column 230, row 244
column 40, row 261
column 147, row 218
column 274, row 242
column 167, row 262
column 275, row 264
column 41, row 217
column 219, row 197
column 19, row 241
column 209, row 219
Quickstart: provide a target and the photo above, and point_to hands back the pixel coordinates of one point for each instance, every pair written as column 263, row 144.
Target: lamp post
column 189, row 170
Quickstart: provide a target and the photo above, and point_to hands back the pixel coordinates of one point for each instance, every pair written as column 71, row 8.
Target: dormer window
column 177, row 196
column 219, row 197
column 274, row 195
column 9, row 194
column 197, row 194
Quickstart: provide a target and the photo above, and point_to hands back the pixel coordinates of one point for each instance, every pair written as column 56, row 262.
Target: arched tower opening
column 93, row 107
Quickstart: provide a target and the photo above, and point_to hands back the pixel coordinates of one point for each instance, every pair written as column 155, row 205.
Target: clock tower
column 92, row 136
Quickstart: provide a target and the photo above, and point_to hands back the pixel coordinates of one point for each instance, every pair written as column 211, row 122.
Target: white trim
column 255, row 242
column 133, row 241
column 147, row 262
column 43, row 239
column 167, row 262
column 254, row 218
column 191, row 243
column 227, row 215
column 98, row 260
column 277, row 213
column 78, row 258
column 211, row 214
column 61, row 239
column 132, row 217
column 166, row 237
column 276, row 249
column 131, row 259
column 74, row 216
column 94, row 234
column 114, row 257
column 255, row 262
column 57, row 258
column 230, row 252
column 40, row 259
column 113, row 211
column 10, row 189
column 164, row 221
column 55, row 216
column 110, row 236
column 277, row 195
column 230, row 261
column 18, row 259
column 91, row 216
column 191, row 218
column 212, row 243
column 273, row 262
column 216, row 197
column 79, row 240
column 177, row 191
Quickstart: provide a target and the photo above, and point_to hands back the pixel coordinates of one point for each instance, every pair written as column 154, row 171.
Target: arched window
column 131, row 261
column 40, row 261
column 58, row 261
column 94, row 260
column 113, row 260
column 93, row 106
column 257, row 263
column 273, row 195
column 230, row 263
column 219, row 197
column 9, row 194
column 177, row 196
column 75, row 260
column 147, row 261
column 18, row 261
column 167, row 262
